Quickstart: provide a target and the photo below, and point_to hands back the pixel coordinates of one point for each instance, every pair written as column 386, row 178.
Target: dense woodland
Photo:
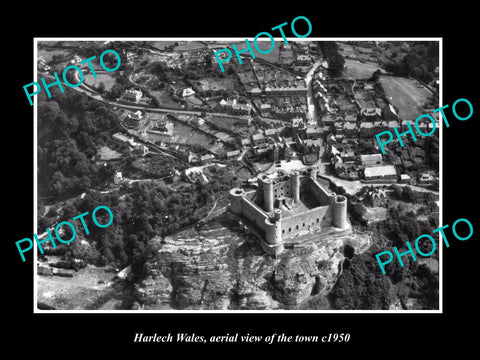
column 362, row 284
column 330, row 53
column 419, row 63
column 71, row 129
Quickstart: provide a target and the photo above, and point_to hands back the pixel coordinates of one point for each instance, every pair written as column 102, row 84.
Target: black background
column 371, row 334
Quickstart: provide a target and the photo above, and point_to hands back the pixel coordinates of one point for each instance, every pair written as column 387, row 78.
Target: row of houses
column 351, row 166
column 132, row 95
column 284, row 142
column 280, row 101
column 370, row 167
column 348, row 126
column 299, row 89
column 234, row 107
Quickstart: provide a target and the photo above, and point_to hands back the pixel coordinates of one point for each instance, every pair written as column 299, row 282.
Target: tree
column 105, row 173
column 409, row 195
column 101, row 87
column 69, row 211
column 428, row 284
column 362, row 286
column 336, row 64
column 208, row 61
column 52, row 212
column 115, row 91
column 330, row 53
column 419, row 62
column 397, row 190
column 397, row 273
column 376, row 75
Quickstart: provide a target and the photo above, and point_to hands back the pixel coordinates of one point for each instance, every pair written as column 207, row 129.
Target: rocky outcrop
column 219, row 267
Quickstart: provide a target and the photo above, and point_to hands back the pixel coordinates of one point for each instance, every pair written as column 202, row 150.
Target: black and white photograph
column 221, row 179
column 255, row 183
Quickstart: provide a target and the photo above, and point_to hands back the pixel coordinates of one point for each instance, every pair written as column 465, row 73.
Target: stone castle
column 285, row 208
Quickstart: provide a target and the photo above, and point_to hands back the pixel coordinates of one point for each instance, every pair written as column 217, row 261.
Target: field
column 232, row 124
column 189, row 45
column 273, row 56
column 181, row 45
column 383, row 52
column 264, row 45
column 183, row 134
column 214, row 83
column 246, row 75
column 160, row 45
column 48, row 53
column 90, row 288
column 165, row 100
column 357, row 70
column 346, row 50
column 106, row 78
column 155, row 167
column 375, row 214
column 407, row 95
column 105, row 153
column 286, row 56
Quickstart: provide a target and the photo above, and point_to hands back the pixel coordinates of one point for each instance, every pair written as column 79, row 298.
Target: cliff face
column 219, row 267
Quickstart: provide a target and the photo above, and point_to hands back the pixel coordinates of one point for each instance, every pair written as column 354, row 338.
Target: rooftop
column 371, row 157
column 258, row 137
column 384, row 170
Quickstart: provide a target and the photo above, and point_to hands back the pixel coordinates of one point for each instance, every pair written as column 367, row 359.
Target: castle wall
column 311, row 218
column 254, row 214
column 320, row 194
column 328, row 217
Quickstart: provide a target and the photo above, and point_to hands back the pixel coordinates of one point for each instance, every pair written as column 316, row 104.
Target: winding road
column 92, row 94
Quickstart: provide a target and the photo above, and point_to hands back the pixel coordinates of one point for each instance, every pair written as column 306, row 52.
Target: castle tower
column 295, row 186
column 277, row 215
column 277, row 226
column 267, row 185
column 340, row 212
column 273, row 243
column 236, row 198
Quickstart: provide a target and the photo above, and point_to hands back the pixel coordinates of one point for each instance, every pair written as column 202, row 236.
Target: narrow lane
column 312, row 111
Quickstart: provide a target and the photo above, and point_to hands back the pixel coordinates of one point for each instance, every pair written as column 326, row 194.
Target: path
column 131, row 181
column 209, row 213
column 312, row 110
column 352, row 187
column 98, row 97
